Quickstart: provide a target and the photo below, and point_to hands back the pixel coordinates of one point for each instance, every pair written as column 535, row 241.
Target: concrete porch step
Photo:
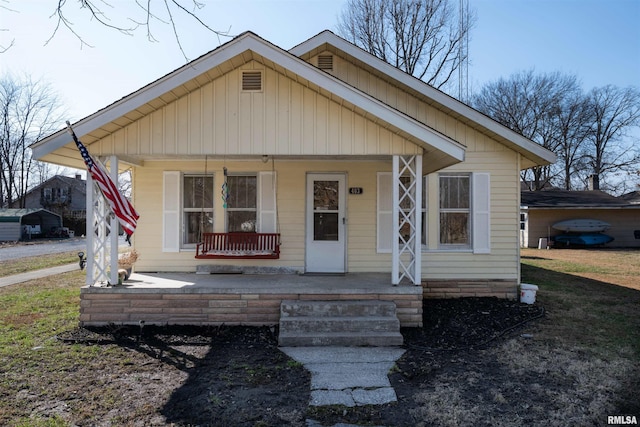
column 340, row 339
column 337, row 308
column 339, row 323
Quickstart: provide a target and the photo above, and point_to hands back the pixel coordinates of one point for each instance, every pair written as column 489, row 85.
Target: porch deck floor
column 351, row 283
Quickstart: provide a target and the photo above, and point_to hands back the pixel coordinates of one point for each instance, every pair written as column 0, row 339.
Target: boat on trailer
column 581, row 226
column 582, row 239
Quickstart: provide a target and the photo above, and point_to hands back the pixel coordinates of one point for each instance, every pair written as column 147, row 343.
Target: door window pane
column 325, row 195
column 325, row 226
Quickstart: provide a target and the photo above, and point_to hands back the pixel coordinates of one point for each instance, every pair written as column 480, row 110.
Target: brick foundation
column 470, row 288
column 104, row 306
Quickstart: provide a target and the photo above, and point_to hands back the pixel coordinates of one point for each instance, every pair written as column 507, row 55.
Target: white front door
column 326, row 223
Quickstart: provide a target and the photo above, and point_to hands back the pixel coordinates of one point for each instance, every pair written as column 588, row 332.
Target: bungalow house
column 540, row 210
column 374, row 184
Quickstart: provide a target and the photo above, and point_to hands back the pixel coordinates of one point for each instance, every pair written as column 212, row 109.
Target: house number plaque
column 355, row 190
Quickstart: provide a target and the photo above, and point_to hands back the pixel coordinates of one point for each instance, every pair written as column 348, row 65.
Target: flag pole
column 120, row 206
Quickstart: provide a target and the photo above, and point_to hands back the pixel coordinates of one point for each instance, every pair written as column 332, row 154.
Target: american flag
column 120, row 205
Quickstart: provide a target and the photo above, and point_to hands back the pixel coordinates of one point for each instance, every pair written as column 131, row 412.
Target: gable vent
column 252, row 80
column 325, row 62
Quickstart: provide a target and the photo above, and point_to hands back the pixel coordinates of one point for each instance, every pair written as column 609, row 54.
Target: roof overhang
column 58, row 148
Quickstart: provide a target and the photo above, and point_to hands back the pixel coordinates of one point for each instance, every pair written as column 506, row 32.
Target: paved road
column 35, row 248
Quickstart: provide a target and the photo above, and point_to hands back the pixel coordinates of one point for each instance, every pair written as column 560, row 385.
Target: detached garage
column 20, row 224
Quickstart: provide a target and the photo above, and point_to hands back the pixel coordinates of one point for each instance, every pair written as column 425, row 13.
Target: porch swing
column 239, row 245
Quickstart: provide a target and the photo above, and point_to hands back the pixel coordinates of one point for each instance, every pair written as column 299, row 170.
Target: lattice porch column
column 102, row 234
column 407, row 219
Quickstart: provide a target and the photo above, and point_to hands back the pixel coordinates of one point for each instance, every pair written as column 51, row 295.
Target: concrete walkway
column 37, row 274
column 349, row 376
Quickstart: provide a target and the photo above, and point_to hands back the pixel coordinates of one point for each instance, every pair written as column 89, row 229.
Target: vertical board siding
column 285, row 118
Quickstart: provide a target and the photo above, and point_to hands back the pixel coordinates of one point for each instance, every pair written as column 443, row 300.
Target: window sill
column 447, row 250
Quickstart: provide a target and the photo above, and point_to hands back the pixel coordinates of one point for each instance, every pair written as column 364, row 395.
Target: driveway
column 44, row 247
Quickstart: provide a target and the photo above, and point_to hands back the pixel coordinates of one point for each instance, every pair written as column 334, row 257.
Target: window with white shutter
column 481, row 204
column 171, row 211
column 267, row 209
column 384, row 213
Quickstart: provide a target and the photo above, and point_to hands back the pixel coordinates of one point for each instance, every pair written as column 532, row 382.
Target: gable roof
column 59, row 148
column 561, row 199
column 15, row 215
column 533, row 153
column 77, row 184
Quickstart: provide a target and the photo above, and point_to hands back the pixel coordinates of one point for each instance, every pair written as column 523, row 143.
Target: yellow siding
column 286, row 118
column 289, row 119
column 502, row 262
column 291, row 178
column 397, row 98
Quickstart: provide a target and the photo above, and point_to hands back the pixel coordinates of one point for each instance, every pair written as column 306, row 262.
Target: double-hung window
column 242, row 204
column 455, row 210
column 459, row 205
column 187, row 209
column 197, row 207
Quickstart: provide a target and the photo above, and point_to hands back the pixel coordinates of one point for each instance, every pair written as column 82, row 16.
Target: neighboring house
column 24, row 224
column 540, row 210
column 358, row 166
column 61, row 194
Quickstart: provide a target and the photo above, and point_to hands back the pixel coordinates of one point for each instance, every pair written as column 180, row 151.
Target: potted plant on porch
column 125, row 264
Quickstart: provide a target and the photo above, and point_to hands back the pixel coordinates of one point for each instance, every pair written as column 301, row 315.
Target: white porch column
column 114, row 227
column 395, row 218
column 102, row 234
column 97, row 213
column 407, row 219
column 90, row 230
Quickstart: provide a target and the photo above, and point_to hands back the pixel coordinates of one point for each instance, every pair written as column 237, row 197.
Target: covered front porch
column 235, row 299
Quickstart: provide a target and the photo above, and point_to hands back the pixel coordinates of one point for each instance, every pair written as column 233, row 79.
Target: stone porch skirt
column 239, row 299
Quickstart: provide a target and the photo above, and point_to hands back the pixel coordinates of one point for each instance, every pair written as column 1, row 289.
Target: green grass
column 22, row 265
column 584, row 317
column 34, row 363
column 600, row 315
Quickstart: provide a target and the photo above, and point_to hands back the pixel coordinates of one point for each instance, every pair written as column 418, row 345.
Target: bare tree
column 611, row 151
column 28, row 111
column 120, row 16
column 422, row 37
column 571, row 126
column 537, row 107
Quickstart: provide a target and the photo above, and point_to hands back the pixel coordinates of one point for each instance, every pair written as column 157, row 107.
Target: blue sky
column 598, row 40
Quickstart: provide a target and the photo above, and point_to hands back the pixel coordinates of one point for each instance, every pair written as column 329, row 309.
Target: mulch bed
column 240, row 378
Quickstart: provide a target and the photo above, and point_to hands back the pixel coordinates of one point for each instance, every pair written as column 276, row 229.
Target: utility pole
column 463, row 68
